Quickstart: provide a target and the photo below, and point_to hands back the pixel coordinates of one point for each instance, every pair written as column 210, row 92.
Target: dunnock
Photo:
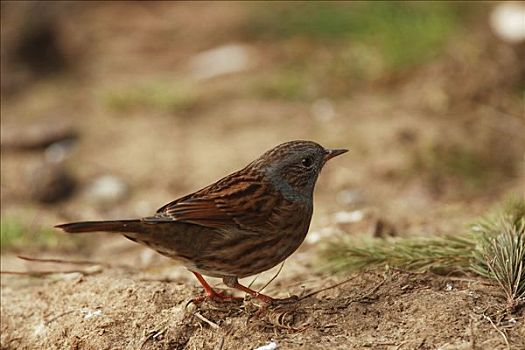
column 243, row 224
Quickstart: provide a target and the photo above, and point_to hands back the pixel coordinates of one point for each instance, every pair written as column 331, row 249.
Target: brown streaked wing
column 239, row 200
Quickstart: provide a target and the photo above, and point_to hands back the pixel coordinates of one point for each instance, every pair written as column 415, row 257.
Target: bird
column 241, row 225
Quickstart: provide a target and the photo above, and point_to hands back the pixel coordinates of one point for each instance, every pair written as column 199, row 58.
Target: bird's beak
column 330, row 153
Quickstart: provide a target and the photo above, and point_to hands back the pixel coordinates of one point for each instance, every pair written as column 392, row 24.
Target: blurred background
column 110, row 110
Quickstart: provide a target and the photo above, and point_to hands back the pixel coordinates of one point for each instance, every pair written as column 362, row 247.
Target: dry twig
column 498, row 330
column 71, row 262
column 327, row 288
column 204, row 319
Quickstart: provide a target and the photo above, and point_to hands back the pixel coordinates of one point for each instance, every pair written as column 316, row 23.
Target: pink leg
column 210, row 292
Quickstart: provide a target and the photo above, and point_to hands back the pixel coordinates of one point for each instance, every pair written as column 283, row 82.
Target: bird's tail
column 122, row 226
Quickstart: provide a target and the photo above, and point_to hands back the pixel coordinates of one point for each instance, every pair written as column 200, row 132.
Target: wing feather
column 240, row 200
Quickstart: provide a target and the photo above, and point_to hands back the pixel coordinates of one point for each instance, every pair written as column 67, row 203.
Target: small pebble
column 347, row 217
column 349, row 197
column 107, row 190
column 270, row 346
column 222, row 60
column 59, row 151
column 508, row 21
column 90, row 313
column 318, row 235
column 323, row 110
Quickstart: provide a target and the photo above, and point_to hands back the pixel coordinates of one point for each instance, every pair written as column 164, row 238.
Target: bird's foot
column 214, row 296
column 211, row 294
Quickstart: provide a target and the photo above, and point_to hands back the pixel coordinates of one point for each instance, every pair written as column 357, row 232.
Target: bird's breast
column 291, row 217
column 245, row 252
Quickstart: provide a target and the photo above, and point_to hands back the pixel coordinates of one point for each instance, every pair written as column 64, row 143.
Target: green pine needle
column 493, row 248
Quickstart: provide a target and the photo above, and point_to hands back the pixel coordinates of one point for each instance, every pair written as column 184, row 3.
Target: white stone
column 270, row 346
column 90, row 313
column 508, row 21
column 222, row 60
column 347, row 217
column 323, row 110
column 107, row 190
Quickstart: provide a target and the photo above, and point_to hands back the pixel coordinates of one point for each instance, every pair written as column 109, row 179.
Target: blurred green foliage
column 453, row 161
column 158, row 96
column 404, row 33
column 287, row 84
column 474, row 167
column 15, row 235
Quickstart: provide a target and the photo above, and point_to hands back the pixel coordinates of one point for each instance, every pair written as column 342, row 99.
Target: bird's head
column 293, row 167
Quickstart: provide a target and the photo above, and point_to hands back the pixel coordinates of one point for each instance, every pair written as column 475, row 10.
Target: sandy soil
column 122, row 309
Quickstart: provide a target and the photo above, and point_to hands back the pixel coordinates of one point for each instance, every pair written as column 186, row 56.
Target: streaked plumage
column 241, row 225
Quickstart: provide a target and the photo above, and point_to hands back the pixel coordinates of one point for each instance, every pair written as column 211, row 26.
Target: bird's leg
column 233, row 282
column 210, row 292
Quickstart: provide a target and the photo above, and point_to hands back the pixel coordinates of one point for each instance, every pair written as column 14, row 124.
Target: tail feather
column 122, row 226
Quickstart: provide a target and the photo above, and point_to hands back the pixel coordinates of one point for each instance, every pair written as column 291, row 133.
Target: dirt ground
column 432, row 147
column 123, row 309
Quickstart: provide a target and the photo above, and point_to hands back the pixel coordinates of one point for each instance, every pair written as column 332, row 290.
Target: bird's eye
column 306, row 162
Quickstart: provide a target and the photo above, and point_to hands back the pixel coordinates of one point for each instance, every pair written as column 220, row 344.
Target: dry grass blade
column 52, row 272
column 327, row 288
column 63, row 261
column 273, row 278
